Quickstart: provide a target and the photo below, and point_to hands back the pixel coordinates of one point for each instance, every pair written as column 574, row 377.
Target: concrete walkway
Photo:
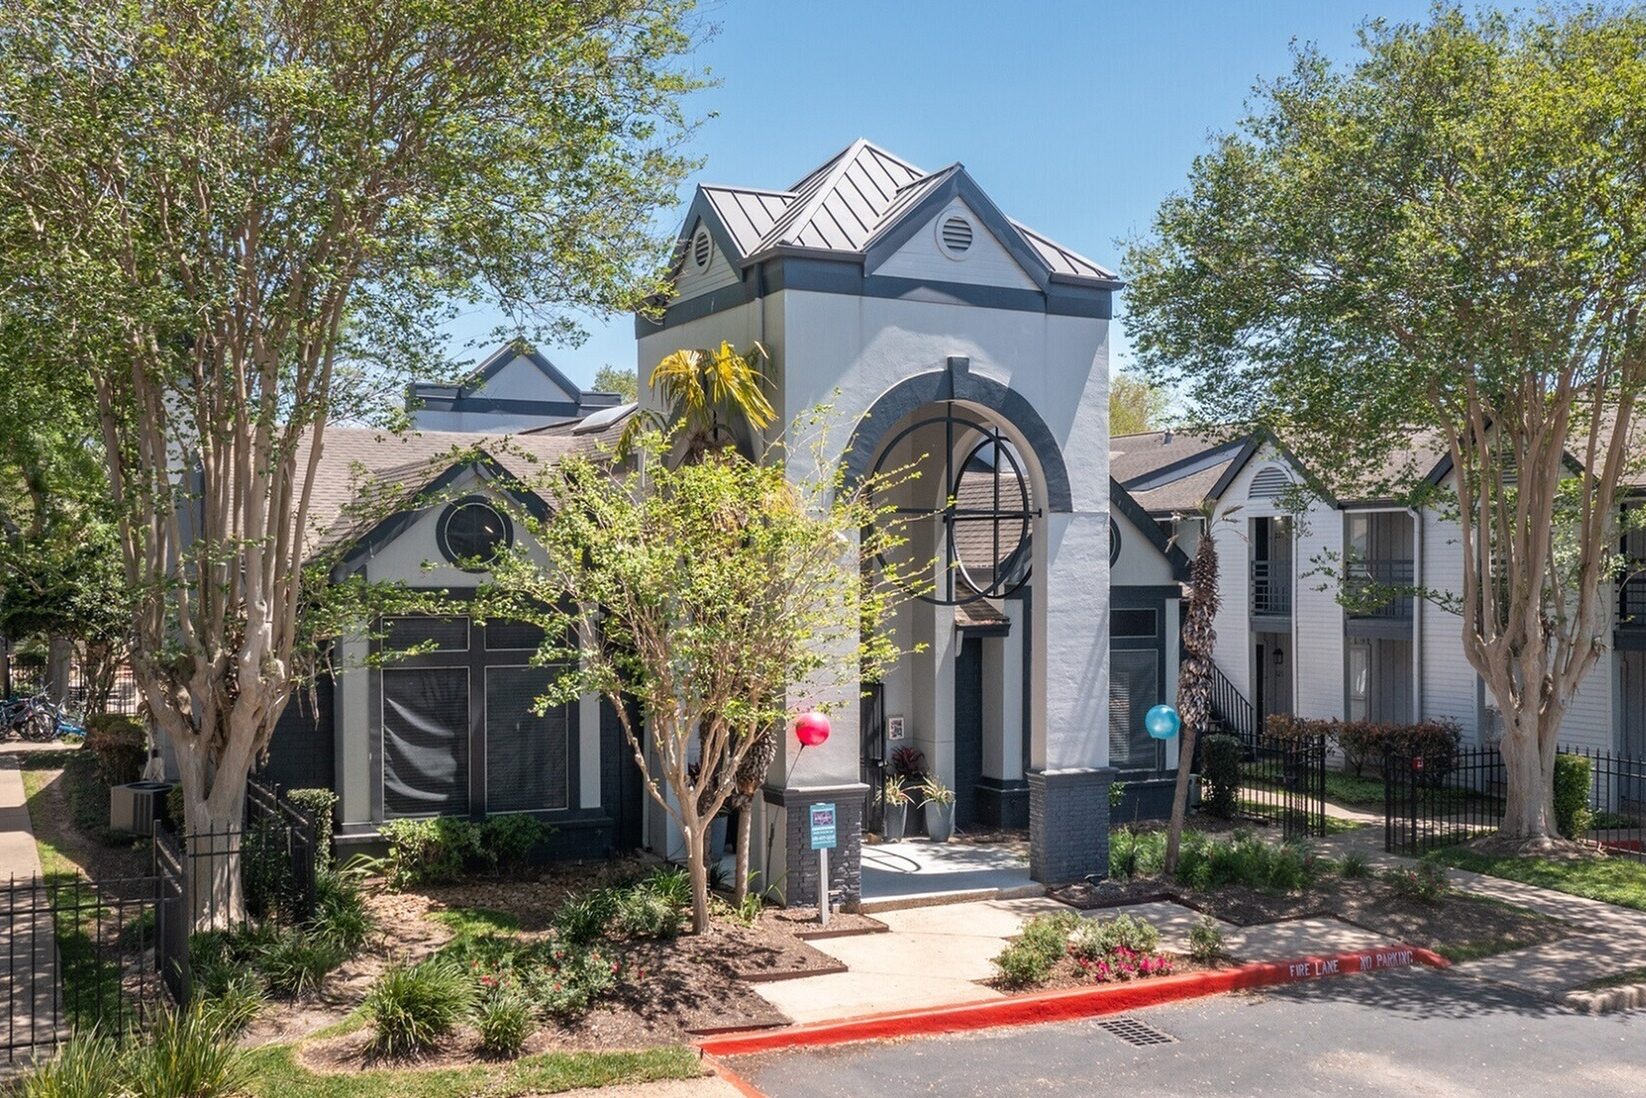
column 914, row 872
column 1613, row 939
column 27, row 936
column 936, row 956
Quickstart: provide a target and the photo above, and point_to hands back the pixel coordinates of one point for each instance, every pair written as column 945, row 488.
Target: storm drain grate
column 1134, row 1032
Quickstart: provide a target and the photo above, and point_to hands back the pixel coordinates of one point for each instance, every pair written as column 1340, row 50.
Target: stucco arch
column 999, row 402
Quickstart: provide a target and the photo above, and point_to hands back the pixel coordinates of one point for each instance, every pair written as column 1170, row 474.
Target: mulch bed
column 1457, row 923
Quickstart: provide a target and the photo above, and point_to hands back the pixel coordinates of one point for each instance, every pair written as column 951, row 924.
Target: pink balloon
column 811, row 729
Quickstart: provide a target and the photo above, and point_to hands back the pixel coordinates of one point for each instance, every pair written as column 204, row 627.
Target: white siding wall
column 1450, row 687
column 985, row 263
column 1317, row 618
column 693, row 282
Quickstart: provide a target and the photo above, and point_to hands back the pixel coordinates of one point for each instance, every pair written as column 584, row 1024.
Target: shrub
column 1020, row 964
column 185, row 1053
column 411, row 1007
column 1096, row 939
column 673, row 884
column 266, row 869
column 297, row 961
column 423, row 852
column 508, row 841
column 583, row 919
column 505, row 1021
column 1572, row 814
column 340, row 914
column 1244, row 859
column 84, row 1067
column 572, row 981
column 1425, row 883
column 1206, row 940
column 643, row 913
column 236, row 1003
column 1029, row 959
column 120, row 746
column 1355, row 865
column 174, row 808
column 319, row 804
column 1220, row 770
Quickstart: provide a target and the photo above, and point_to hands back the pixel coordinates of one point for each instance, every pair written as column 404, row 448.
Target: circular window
column 954, row 235
column 983, row 528
column 1114, row 543
column 702, row 249
column 473, row 532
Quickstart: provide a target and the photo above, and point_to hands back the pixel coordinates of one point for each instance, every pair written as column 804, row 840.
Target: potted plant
column 938, row 800
column 894, row 803
column 909, row 764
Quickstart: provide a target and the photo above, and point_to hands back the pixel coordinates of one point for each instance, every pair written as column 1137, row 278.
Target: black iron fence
column 81, row 953
column 1439, row 799
column 1283, row 782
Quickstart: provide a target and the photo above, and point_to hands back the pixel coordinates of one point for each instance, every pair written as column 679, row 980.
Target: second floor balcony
column 1272, row 588
column 1378, row 590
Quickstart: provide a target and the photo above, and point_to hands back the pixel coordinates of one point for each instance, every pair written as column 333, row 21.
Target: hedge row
column 1363, row 742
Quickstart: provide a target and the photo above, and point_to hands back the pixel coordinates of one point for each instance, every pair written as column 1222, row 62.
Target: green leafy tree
column 712, row 399
column 1136, row 405
column 243, row 219
column 615, row 379
column 1440, row 245
column 719, row 596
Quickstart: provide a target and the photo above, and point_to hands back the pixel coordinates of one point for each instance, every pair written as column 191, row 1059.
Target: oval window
column 473, row 532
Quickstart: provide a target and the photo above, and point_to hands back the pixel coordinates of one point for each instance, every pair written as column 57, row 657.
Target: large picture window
column 1134, row 687
column 426, row 741
column 459, row 731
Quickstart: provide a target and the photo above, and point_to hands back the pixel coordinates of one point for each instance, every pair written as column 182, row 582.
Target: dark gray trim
column 1122, row 501
column 441, row 540
column 1629, row 638
column 1253, row 444
column 960, row 384
column 990, row 629
column 392, row 526
column 842, row 273
column 566, row 408
column 1142, row 596
column 1379, row 628
column 958, row 184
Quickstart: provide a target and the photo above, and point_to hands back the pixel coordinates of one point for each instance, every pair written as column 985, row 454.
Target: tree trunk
column 214, row 807
column 697, row 865
column 1180, row 798
column 1528, row 809
column 745, row 834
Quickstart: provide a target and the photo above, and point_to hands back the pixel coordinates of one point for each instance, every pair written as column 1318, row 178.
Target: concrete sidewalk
column 1613, row 938
column 27, row 934
column 937, row 956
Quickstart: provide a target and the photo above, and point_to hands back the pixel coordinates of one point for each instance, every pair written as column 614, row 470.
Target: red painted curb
column 732, row 1079
column 1070, row 1003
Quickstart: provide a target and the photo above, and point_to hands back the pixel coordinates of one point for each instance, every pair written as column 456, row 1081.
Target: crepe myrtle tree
column 1439, row 244
column 1194, row 673
column 719, row 596
column 244, row 219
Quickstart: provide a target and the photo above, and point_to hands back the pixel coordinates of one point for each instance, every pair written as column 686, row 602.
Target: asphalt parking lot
column 1415, row 1032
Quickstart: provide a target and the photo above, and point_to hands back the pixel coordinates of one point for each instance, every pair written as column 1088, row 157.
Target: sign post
column 823, row 840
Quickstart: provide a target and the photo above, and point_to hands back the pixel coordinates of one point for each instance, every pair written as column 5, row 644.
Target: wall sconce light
column 1280, row 657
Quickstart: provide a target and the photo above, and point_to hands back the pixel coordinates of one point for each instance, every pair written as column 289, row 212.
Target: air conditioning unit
column 134, row 806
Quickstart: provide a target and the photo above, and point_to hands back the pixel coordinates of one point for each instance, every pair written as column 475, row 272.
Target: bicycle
column 37, row 719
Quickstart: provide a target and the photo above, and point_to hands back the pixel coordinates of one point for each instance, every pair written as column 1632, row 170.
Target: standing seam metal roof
column 847, row 202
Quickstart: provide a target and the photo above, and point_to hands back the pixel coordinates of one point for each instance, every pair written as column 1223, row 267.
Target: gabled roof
column 1122, row 501
column 854, row 203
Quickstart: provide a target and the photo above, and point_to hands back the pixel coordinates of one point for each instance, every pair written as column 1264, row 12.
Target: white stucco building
column 934, row 327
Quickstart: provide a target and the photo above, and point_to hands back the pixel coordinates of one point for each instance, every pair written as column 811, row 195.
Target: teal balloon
column 1162, row 722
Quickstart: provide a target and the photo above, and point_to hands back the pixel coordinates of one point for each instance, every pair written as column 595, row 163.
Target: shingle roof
column 359, row 465
column 849, row 201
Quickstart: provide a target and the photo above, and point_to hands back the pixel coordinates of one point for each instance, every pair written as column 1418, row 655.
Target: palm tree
column 705, row 394
column 1194, row 674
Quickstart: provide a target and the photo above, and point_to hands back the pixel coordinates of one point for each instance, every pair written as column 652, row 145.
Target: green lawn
column 1619, row 881
column 279, row 1075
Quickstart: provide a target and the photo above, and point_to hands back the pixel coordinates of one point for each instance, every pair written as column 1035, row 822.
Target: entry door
column 968, row 730
column 1633, row 791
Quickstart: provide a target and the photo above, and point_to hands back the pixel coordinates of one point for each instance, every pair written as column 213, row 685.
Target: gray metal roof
column 850, row 201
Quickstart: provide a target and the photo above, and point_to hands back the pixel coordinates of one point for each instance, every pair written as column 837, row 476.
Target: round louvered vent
column 702, row 248
column 954, row 234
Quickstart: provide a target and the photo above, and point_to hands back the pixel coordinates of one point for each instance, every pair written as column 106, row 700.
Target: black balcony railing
column 1379, row 590
column 1631, row 608
column 1272, row 587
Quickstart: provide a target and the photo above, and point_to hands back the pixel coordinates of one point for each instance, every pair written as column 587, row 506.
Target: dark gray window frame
column 474, row 659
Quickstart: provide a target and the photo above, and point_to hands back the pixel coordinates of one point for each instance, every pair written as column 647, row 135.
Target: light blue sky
column 1077, row 118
